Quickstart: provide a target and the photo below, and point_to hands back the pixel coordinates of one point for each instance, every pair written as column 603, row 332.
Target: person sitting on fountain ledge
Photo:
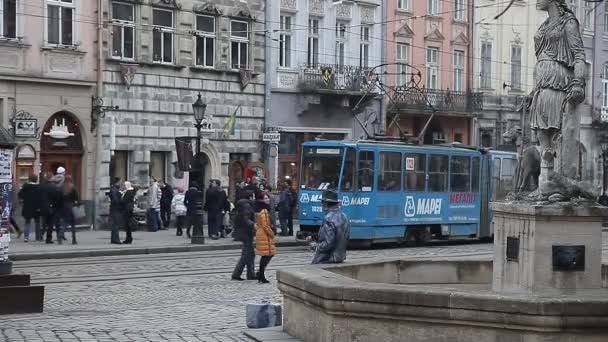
column 333, row 234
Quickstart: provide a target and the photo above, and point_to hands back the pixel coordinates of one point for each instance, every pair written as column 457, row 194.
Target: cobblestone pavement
column 164, row 297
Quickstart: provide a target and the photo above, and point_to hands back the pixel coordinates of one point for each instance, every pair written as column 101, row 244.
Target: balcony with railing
column 438, row 100
column 337, row 79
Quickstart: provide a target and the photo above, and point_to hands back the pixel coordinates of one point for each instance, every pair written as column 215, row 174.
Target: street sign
column 272, row 137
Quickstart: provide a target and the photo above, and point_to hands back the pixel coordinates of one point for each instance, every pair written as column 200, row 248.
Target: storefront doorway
column 61, row 146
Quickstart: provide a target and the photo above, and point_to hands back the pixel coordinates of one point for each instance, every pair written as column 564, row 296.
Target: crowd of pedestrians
column 49, row 206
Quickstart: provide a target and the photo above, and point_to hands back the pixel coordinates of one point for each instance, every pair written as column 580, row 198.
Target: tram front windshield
column 321, row 167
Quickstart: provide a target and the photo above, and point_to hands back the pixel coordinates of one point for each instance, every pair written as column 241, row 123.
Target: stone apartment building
column 429, row 54
column 47, row 78
column 158, row 55
column 322, row 57
column 504, row 61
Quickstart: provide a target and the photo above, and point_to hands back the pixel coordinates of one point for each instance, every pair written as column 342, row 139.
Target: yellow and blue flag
column 231, row 127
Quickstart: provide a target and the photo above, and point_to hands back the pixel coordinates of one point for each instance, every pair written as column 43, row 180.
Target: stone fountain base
column 436, row 300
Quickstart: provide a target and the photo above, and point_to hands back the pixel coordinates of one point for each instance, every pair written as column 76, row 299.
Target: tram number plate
column 409, row 164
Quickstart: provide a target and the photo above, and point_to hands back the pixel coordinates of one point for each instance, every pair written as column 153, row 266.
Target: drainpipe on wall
column 99, row 93
column 383, row 59
column 272, row 162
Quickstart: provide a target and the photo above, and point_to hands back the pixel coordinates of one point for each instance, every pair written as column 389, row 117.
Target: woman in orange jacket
column 264, row 235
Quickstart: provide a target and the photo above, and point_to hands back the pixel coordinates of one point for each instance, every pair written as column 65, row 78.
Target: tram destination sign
column 271, row 137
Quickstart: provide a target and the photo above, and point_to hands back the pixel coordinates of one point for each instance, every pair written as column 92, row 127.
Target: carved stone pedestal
column 548, row 249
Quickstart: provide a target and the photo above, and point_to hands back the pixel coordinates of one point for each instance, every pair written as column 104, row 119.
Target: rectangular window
column 588, row 17
column 365, row 173
column 348, row 175
column 432, row 68
column 60, row 22
column 162, row 36
column 364, row 43
column 389, row 175
column 475, row 175
column 414, row 165
column 158, row 165
column 516, row 67
column 123, row 30
column 285, row 41
column 403, row 4
column 433, row 7
column 403, row 53
column 507, row 175
column 313, row 41
column 460, row 174
column 459, row 10
column 438, row 173
column 8, row 15
column 486, row 65
column 205, row 41
column 119, row 164
column 239, row 44
column 458, row 70
column 340, row 42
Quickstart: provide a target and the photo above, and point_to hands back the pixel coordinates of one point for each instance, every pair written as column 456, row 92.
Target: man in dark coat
column 214, row 205
column 165, row 203
column 51, row 201
column 286, row 209
column 193, row 200
column 333, row 234
column 116, row 213
column 30, row 196
column 244, row 231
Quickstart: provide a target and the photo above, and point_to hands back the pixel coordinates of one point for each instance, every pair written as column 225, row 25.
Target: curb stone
column 137, row 251
column 274, row 334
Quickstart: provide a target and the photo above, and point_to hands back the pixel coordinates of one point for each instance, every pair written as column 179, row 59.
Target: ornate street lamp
column 603, row 200
column 199, row 107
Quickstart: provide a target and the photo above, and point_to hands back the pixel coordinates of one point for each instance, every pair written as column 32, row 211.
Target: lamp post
column 603, row 200
column 199, row 107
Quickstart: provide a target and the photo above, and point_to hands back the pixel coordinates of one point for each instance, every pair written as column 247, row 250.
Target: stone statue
column 559, row 77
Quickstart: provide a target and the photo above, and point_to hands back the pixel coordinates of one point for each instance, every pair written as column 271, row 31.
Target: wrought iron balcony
column 408, row 99
column 337, row 79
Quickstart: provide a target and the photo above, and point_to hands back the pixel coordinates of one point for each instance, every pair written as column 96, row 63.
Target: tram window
column 460, row 174
column 321, row 167
column 365, row 174
column 475, row 175
column 438, row 173
column 495, row 178
column 348, row 177
column 507, row 175
column 389, row 176
column 415, row 171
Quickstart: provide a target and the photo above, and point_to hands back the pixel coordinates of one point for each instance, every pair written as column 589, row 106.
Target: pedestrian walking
column 225, row 210
column 193, row 202
column 154, row 195
column 128, row 205
column 165, row 204
column 180, row 210
column 31, row 199
column 333, row 234
column 13, row 224
column 215, row 203
column 116, row 212
column 244, row 230
column 264, row 235
column 70, row 199
column 286, row 206
column 51, row 201
column 273, row 208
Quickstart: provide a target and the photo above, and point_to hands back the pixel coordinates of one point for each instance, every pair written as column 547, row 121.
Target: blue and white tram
column 399, row 192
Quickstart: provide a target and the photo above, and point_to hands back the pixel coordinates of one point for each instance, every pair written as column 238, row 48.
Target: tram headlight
column 304, row 212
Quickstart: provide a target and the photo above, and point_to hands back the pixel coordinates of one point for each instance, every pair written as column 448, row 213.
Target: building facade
column 321, row 73
column 430, row 71
column 504, row 62
column 158, row 55
column 47, row 78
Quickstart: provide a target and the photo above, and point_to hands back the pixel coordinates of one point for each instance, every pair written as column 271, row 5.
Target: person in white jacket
column 153, row 205
column 179, row 209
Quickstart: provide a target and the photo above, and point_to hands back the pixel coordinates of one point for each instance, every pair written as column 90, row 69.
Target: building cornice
column 34, row 79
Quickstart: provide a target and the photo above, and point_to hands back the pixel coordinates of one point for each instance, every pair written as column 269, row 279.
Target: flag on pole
column 231, row 127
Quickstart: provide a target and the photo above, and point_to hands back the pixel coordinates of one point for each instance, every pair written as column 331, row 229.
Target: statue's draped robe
column 558, row 47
